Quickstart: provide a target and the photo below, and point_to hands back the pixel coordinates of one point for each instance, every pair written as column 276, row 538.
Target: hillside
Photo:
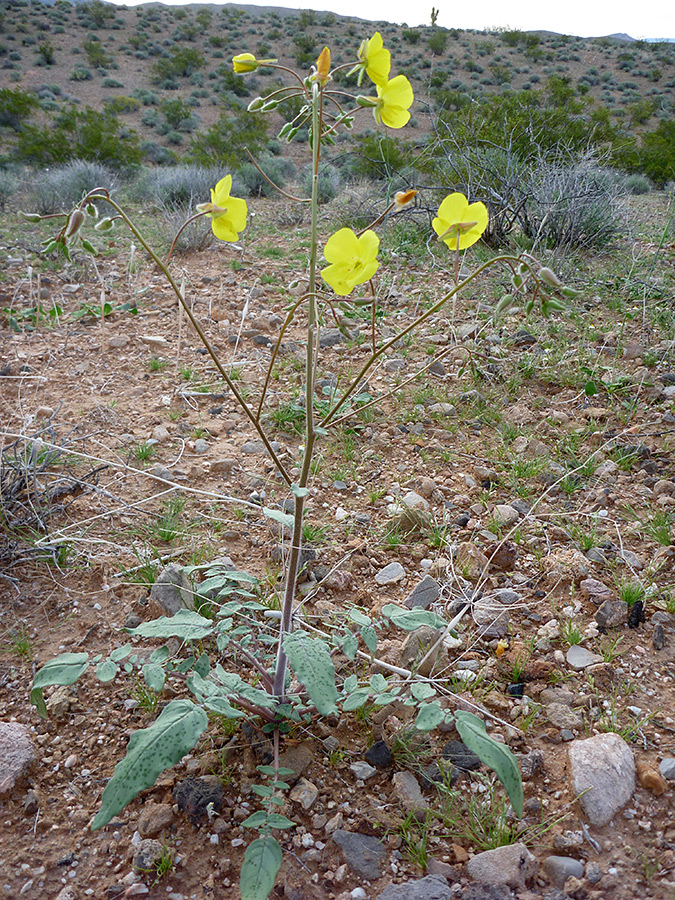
column 152, row 67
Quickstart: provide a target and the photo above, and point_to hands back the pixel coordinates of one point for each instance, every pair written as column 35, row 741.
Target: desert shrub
column 120, row 105
column 83, row 134
column 95, row 53
column 378, row 156
column 437, row 42
column 111, row 83
column 80, row 73
column 15, row 107
column 9, row 185
column 330, row 181
column 158, row 154
column 277, row 169
column 411, row 35
column 637, row 184
column 573, row 204
column 61, row 187
column 224, row 143
column 147, row 98
column 181, row 64
column 178, row 187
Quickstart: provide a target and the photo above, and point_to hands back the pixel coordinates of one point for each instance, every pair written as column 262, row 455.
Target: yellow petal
column 221, row 194
column 236, row 213
column 323, row 64
column 368, row 245
column 223, row 230
column 341, row 246
column 334, row 276
column 377, row 60
column 244, row 62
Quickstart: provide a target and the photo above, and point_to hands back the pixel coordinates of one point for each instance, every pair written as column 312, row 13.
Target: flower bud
column 49, row 247
column 529, row 306
column 569, row 292
column 91, row 210
column 285, row 129
column 256, row 104
column 89, row 247
column 366, row 102
column 31, row 217
column 75, row 223
column 404, row 198
column 549, row 277
column 504, row 303
column 323, row 65
column 269, row 105
column 517, row 281
column 104, row 225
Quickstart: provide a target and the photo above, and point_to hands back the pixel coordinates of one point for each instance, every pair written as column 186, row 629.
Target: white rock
column 602, row 770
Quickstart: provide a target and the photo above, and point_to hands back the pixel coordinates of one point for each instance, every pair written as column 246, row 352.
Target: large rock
column 602, row 769
column 513, row 865
column 433, row 887
column 425, row 592
column 364, row 855
column 17, row 754
column 173, row 590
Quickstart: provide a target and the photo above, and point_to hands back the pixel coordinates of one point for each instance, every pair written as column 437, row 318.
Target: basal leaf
column 150, row 751
column 186, row 625
column 310, row 660
column 356, row 699
column 64, row 670
column 262, row 861
column 494, row 754
column 430, row 716
column 369, row 636
column 106, row 671
column 154, row 676
column 411, row 619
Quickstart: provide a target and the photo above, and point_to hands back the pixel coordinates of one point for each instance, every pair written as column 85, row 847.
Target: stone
column 17, row 755
column 612, row 613
column 173, row 590
column 154, row 818
column 507, row 597
column 562, row 716
column 223, row 466
column 560, row 868
column 147, row 854
column 442, row 409
column 461, row 757
column 504, row 556
column 201, row 446
column 117, row 341
column 602, row 770
column 659, row 637
column 667, row 768
column 364, row 855
column 297, row 758
column 413, row 500
column 253, row 448
column 425, row 592
column 470, row 562
column 632, row 560
column 330, row 337
column 305, row 793
column 196, row 796
column 445, row 870
column 650, row 779
column 505, row 514
column 390, row 574
column 362, row 770
column 513, row 866
column 417, row 645
column 160, row 434
column 431, row 887
column 379, row 755
column 409, row 794
column 596, row 591
column 580, row 658
column 491, row 618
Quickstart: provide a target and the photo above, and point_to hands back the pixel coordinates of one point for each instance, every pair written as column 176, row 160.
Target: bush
column 224, row 143
column 15, row 107
column 63, row 186
column 9, row 185
column 637, row 184
column 80, row 73
column 437, row 42
column 181, row 64
column 278, row 170
column 179, row 187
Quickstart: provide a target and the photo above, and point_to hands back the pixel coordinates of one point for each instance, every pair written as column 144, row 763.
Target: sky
column 578, row 17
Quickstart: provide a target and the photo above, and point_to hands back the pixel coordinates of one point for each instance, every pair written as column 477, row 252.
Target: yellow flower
column 460, row 223
column 323, row 66
column 353, row 260
column 394, row 100
column 246, row 62
column 375, row 60
column 227, row 214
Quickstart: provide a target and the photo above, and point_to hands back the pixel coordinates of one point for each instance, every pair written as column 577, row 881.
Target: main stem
column 310, row 436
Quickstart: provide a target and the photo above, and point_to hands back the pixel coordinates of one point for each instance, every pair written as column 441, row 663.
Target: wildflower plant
column 239, row 605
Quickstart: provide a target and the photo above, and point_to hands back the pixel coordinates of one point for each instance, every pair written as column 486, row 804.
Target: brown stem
column 276, row 186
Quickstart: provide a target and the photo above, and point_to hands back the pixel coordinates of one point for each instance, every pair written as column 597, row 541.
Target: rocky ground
column 526, row 477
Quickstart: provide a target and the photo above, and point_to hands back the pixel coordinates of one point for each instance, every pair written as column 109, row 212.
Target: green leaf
column 369, row 636
column 422, row 691
column 430, row 716
column 351, row 682
column 411, row 619
column 360, row 618
column 256, row 819
column 121, row 653
column 356, row 699
column 279, row 516
column 151, row 750
column 154, row 676
column 276, row 820
column 298, row 491
column 160, row 655
column 495, row 755
column 350, row 645
column 106, row 671
column 378, row 682
column 186, row 625
column 262, row 790
column 262, row 861
column 203, row 665
column 64, row 669
column 590, row 389
column 311, row 662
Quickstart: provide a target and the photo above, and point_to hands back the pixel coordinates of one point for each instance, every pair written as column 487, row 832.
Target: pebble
column 612, row 613
column 363, row 770
column 70, row 762
column 602, row 770
column 513, row 866
column 596, row 591
column 491, row 618
column 667, row 768
column 154, row 818
column 651, row 780
column 560, row 868
column 431, row 887
column 379, row 755
column 390, row 574
column 580, row 658
column 201, row 446
column 17, row 754
column 425, row 592
column 505, row 514
column 305, row 793
column 173, row 590
column 409, row 794
column 364, row 855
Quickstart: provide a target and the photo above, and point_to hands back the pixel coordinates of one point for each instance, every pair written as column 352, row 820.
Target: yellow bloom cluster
column 394, row 96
